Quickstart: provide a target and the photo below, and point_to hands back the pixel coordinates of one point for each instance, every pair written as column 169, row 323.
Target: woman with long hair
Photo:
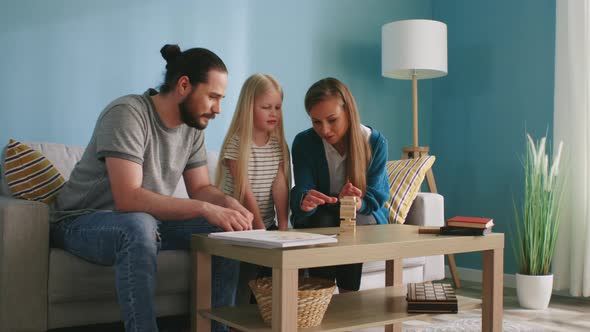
column 335, row 158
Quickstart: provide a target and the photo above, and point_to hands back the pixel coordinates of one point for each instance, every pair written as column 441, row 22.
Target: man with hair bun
column 117, row 207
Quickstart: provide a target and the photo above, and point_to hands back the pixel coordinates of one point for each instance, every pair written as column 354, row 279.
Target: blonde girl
column 254, row 161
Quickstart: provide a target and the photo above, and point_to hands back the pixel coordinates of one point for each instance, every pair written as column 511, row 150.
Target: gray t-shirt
column 130, row 128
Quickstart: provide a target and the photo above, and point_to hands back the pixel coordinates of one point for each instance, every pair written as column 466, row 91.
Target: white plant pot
column 534, row 292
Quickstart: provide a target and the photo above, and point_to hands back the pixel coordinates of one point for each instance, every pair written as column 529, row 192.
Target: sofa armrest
column 24, row 260
column 427, row 210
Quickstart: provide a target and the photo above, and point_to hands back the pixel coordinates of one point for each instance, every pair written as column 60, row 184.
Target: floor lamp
column 414, row 50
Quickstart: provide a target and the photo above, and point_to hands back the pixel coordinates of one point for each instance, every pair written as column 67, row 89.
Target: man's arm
column 199, row 187
column 126, row 179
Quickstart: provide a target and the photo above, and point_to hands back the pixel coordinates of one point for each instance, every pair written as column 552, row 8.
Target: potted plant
column 537, row 225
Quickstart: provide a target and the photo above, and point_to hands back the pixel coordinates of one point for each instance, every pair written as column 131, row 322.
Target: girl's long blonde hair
column 241, row 126
column 358, row 150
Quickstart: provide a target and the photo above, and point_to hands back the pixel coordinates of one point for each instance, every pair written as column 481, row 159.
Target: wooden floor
column 167, row 324
column 564, row 314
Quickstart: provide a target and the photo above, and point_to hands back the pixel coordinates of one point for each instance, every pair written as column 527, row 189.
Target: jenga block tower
column 348, row 214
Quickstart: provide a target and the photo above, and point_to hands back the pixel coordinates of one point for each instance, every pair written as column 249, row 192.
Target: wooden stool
column 422, row 151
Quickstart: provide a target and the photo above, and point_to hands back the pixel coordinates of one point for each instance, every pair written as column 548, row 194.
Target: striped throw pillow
column 404, row 177
column 29, row 175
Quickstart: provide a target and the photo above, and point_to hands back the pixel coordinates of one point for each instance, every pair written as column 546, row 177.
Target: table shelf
column 355, row 310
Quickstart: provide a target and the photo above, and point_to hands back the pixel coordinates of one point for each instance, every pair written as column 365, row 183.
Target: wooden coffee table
column 376, row 307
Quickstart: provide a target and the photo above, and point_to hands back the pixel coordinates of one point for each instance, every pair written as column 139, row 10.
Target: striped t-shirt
column 263, row 165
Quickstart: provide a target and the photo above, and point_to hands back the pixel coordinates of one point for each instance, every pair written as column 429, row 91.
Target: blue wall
column 500, row 85
column 315, row 39
column 63, row 61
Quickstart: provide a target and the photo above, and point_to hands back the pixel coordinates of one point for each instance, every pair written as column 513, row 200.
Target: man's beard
column 188, row 119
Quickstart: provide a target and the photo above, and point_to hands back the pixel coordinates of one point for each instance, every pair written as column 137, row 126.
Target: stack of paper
column 273, row 239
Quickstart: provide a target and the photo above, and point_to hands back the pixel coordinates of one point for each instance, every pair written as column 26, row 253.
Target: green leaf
column 537, row 219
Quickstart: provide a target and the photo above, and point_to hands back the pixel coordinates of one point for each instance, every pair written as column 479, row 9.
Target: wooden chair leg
column 417, row 152
column 453, row 268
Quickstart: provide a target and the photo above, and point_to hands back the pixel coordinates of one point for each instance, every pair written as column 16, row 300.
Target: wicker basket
column 313, row 297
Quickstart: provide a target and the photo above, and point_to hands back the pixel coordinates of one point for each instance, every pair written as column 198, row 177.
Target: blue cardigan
column 310, row 168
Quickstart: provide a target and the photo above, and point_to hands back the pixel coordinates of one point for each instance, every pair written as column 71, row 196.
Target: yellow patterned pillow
column 29, row 174
column 404, row 177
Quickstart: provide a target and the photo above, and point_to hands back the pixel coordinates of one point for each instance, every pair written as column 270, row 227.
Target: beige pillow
column 29, row 175
column 404, row 177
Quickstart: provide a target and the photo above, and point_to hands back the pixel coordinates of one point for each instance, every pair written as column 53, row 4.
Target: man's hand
column 228, row 219
column 232, row 203
column 313, row 198
column 350, row 190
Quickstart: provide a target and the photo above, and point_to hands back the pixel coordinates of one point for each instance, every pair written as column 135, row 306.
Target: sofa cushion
column 404, row 177
column 376, row 266
column 376, row 279
column 29, row 174
column 64, row 157
column 72, row 279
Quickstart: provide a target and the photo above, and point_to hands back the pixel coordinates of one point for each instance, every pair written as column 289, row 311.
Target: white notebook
column 273, row 239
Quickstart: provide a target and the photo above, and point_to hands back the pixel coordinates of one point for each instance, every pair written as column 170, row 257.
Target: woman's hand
column 314, row 198
column 350, row 190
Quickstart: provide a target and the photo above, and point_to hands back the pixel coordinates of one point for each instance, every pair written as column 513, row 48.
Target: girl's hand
column 314, row 198
column 350, row 190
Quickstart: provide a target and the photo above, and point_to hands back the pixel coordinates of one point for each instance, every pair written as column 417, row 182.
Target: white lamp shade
column 414, row 46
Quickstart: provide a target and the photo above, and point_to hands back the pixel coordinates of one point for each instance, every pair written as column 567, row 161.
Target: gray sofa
column 44, row 288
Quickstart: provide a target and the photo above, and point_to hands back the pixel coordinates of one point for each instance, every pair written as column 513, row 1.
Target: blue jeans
column 131, row 242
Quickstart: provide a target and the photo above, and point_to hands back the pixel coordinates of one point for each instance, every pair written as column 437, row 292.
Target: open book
column 273, row 239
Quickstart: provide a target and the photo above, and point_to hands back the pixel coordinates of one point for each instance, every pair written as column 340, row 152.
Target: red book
column 470, row 222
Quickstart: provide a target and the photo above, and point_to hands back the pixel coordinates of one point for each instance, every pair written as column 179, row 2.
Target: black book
column 450, row 230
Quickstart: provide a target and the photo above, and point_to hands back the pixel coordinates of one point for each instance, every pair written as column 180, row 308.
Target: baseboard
column 475, row 275
column 509, row 279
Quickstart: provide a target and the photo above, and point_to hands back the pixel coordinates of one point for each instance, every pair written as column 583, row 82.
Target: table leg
column 201, row 299
column 284, row 299
column 492, row 290
column 394, row 277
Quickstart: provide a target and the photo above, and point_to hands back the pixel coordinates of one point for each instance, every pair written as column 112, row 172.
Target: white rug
column 465, row 325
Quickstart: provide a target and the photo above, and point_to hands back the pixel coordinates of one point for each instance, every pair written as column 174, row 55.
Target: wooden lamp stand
column 416, row 151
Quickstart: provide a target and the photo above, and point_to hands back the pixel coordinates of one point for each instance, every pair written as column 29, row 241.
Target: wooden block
column 348, row 207
column 347, row 225
column 348, row 214
column 347, row 222
column 429, row 230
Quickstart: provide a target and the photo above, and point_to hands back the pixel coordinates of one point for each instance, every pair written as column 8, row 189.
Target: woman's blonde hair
column 241, row 126
column 358, row 149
